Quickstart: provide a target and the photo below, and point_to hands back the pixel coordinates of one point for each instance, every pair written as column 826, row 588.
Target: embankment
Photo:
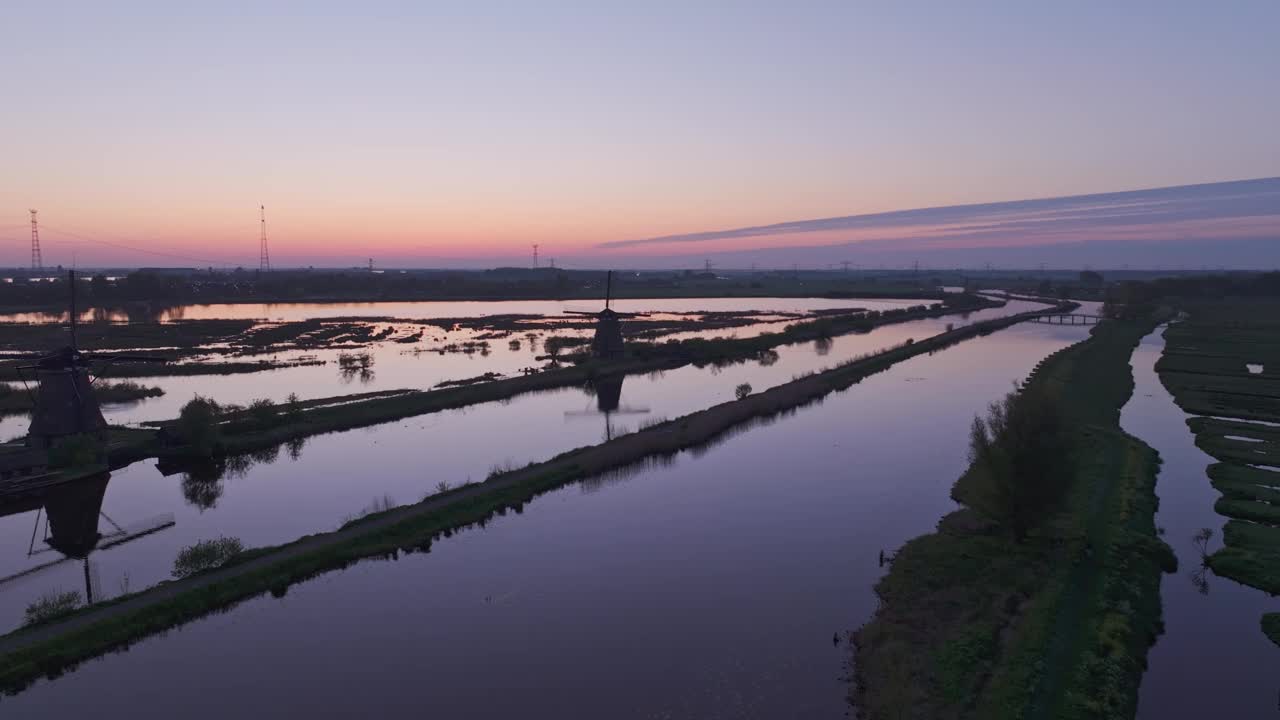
column 51, row 648
column 337, row 414
column 972, row 624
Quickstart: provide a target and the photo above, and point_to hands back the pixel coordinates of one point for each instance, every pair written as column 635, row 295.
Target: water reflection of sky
column 708, row 588
column 278, row 501
column 455, row 308
column 417, row 366
column 1213, row 634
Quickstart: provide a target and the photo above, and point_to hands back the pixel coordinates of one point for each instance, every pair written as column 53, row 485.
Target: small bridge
column 1069, row 319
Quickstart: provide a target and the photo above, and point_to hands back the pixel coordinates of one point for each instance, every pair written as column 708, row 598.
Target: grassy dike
column 974, row 625
column 18, row 400
column 340, row 413
column 57, row 646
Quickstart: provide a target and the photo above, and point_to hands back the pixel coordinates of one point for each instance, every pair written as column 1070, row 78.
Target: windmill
column 608, row 392
column 71, row 513
column 65, row 405
column 607, row 344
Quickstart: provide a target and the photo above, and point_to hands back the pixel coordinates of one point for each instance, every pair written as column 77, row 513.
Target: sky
column 446, row 134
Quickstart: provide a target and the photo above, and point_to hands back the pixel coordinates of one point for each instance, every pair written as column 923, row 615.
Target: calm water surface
column 398, row 366
column 327, row 481
column 1212, row 660
column 708, row 588
column 330, row 478
column 462, row 308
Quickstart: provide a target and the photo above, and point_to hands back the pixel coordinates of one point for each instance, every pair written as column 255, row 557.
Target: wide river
column 715, row 586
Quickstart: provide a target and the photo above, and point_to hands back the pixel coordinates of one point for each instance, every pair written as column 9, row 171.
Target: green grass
column 1204, row 366
column 973, row 625
column 1259, row 512
column 1271, row 626
column 413, row 528
column 15, row 399
column 238, row 435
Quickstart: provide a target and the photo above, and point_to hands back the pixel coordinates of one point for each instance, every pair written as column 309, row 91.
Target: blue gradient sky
column 433, row 133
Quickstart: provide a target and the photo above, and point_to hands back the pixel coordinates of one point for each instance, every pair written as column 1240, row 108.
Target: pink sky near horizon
column 425, row 131
column 236, row 245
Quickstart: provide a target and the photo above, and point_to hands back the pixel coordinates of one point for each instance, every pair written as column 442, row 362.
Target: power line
column 122, row 246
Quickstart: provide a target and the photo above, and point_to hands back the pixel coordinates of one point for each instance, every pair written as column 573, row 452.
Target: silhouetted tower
column 65, row 403
column 264, row 257
column 607, row 344
column 535, row 256
column 37, row 262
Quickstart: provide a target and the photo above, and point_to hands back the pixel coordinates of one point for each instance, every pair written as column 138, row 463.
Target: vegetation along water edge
column 1221, row 363
column 55, row 646
column 1040, row 597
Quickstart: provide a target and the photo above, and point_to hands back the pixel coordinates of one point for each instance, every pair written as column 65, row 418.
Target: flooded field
column 708, row 588
column 453, row 308
column 316, row 486
column 421, row 365
column 1212, row 660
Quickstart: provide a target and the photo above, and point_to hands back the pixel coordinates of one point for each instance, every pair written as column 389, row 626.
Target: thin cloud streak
column 1085, row 217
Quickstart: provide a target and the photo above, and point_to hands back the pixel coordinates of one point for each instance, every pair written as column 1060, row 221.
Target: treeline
column 1040, row 596
column 159, row 287
column 1021, row 462
column 174, row 287
column 1130, row 299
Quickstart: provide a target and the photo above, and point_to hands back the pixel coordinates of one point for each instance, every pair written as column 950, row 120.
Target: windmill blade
column 597, row 413
column 128, row 358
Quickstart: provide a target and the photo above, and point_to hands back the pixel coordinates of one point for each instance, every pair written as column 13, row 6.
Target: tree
column 264, row 413
column 1021, row 461
column 742, row 390
column 198, row 424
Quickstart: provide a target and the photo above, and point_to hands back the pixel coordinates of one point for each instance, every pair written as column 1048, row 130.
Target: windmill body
column 65, row 402
column 65, row 408
column 607, row 343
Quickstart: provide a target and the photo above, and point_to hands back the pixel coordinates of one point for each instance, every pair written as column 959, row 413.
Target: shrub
column 51, row 606
column 205, row 555
column 198, row 424
column 76, row 451
column 292, row 408
column 264, row 413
